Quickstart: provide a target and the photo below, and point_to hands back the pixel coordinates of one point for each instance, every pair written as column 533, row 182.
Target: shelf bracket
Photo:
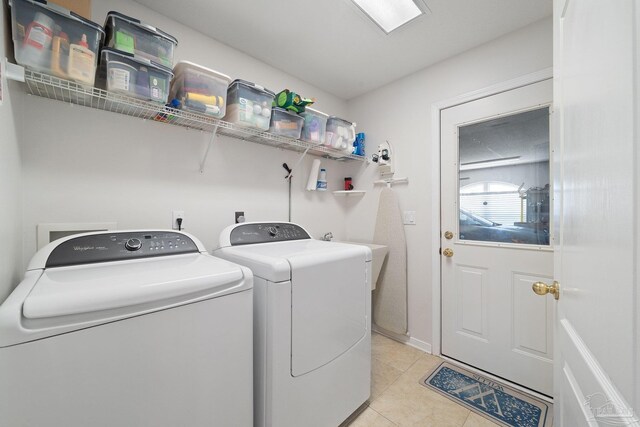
column 390, row 181
column 304, row 153
column 214, row 133
column 13, row 71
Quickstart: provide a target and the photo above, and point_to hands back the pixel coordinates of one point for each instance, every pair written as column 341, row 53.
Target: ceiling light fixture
column 391, row 14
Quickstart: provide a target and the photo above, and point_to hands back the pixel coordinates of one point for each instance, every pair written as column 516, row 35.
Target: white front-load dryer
column 127, row 329
column 312, row 305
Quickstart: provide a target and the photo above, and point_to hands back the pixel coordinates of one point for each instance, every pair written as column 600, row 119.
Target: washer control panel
column 265, row 232
column 106, row 247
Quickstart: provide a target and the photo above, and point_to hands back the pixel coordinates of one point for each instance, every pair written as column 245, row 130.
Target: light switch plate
column 409, row 217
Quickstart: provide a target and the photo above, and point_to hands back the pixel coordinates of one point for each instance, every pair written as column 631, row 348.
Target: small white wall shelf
column 391, row 181
column 66, row 91
column 349, row 193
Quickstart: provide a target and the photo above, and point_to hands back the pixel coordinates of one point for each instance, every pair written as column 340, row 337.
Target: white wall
column 84, row 165
column 10, row 218
column 401, row 113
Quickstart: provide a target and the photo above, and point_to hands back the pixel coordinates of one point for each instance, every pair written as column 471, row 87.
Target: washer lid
column 272, row 261
column 89, row 288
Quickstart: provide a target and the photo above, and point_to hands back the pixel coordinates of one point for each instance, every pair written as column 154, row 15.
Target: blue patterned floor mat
column 496, row 401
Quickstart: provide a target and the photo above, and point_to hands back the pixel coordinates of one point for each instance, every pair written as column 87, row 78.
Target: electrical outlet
column 174, row 221
column 240, row 217
column 409, row 217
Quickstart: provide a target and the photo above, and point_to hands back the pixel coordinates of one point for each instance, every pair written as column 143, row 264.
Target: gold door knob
column 448, row 235
column 447, row 252
column 541, row 288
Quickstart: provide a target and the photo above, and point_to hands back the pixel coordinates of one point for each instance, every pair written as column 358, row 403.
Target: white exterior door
column 597, row 370
column 496, row 235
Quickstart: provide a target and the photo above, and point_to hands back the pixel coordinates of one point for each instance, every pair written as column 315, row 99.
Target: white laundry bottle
column 322, row 180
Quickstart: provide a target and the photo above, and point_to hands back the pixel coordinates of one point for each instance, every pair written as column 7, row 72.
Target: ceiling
column 524, row 135
column 334, row 46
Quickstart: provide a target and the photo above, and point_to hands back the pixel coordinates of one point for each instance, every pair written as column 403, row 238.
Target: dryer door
column 328, row 306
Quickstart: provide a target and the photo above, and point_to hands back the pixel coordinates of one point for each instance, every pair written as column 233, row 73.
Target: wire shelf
column 66, row 91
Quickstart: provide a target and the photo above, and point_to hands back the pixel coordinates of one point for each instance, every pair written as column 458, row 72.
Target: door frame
column 436, row 108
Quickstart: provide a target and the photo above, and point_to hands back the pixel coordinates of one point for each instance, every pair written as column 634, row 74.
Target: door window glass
column 504, row 179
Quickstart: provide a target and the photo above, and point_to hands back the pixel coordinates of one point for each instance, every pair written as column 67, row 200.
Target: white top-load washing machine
column 312, row 336
column 127, row 329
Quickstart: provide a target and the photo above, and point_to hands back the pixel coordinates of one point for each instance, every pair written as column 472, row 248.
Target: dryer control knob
column 133, row 244
column 272, row 231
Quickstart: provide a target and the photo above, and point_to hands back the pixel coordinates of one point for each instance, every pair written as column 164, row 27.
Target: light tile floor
column 397, row 398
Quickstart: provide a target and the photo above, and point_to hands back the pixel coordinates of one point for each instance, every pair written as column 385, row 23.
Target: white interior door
column 597, row 372
column 495, row 235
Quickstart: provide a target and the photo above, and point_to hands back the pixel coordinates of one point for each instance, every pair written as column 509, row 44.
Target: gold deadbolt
column 541, row 288
column 447, row 252
column 448, row 235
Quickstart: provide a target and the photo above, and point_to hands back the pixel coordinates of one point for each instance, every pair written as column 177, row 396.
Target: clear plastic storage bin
column 285, row 123
column 200, row 89
column 340, row 134
column 130, row 35
column 124, row 73
column 315, row 124
column 52, row 40
column 249, row 105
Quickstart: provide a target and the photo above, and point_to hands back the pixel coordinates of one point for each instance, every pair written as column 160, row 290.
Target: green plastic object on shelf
column 124, row 42
column 292, row 101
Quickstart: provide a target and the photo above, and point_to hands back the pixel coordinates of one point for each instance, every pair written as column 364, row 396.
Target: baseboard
column 420, row 345
column 404, row 339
